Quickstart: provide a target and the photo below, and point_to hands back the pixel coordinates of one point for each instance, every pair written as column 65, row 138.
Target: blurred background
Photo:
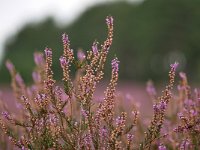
column 149, row 35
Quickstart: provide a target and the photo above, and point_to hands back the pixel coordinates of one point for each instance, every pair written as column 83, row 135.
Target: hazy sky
column 14, row 14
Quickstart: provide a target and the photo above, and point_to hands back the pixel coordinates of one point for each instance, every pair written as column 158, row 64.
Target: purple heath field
column 82, row 112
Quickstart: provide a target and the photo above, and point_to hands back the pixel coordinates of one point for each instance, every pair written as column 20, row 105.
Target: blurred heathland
column 147, row 38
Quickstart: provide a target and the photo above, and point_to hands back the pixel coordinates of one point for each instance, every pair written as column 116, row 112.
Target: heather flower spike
column 6, row 115
column 159, row 108
column 151, row 89
column 10, row 66
column 65, row 38
column 162, row 147
column 38, row 58
column 95, row 48
column 67, row 52
column 115, row 65
column 36, row 77
column 48, row 52
column 174, row 66
column 109, row 20
column 108, row 42
column 81, row 56
column 63, row 61
column 19, row 79
column 182, row 75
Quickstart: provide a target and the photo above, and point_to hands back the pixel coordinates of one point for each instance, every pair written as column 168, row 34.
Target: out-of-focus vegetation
column 148, row 37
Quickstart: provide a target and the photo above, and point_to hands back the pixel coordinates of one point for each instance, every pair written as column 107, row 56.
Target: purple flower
column 52, row 119
column 58, row 90
column 48, row 52
column 40, row 97
column 135, row 112
column 174, row 66
column 182, row 75
column 162, row 147
column 130, row 137
column 9, row 66
column 33, row 88
column 103, row 132
column 65, row 38
column 179, row 87
column 36, row 77
column 81, row 56
column 29, row 129
column 87, row 140
column 119, row 121
column 19, row 79
column 25, row 99
column 180, row 115
column 60, row 94
column 84, row 113
column 38, row 58
column 189, row 102
column 94, row 48
column 30, row 91
column 115, row 65
column 63, row 61
column 109, row 20
column 160, row 107
column 156, row 108
column 193, row 112
column 163, row 105
column 185, row 144
column 150, row 88
column 6, row 115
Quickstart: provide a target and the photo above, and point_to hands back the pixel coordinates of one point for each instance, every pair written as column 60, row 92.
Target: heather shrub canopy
column 66, row 115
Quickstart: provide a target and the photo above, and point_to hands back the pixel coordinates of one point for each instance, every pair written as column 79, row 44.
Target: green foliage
column 149, row 36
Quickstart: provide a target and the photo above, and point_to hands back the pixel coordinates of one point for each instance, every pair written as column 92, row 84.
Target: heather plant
column 67, row 115
column 179, row 125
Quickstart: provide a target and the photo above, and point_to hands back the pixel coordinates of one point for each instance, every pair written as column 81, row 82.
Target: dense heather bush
column 67, row 116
